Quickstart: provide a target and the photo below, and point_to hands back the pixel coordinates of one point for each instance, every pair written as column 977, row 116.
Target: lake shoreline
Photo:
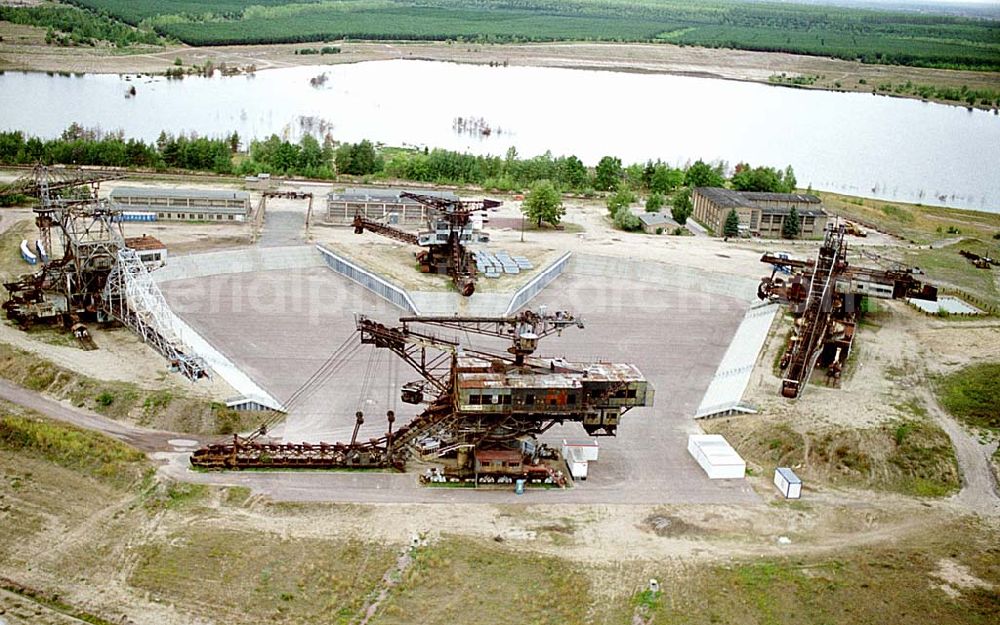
column 23, row 49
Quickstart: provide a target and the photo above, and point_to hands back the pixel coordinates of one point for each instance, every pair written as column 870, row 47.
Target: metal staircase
column 131, row 297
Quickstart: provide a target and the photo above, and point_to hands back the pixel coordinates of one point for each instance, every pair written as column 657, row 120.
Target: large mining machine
column 92, row 275
column 449, row 229
column 825, row 296
column 476, row 402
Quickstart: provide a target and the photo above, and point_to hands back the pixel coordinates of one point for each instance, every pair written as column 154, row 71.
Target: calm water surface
column 853, row 143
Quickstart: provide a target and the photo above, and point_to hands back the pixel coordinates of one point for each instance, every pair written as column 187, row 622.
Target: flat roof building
column 385, row 205
column 651, row 222
column 761, row 214
column 157, row 204
column 152, row 252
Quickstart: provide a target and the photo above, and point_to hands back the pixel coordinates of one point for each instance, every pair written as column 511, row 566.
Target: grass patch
column 243, row 577
column 879, row 584
column 911, row 456
column 462, row 581
column 163, row 409
column 914, row 222
column 11, row 263
column 972, row 395
column 80, row 450
column 946, row 266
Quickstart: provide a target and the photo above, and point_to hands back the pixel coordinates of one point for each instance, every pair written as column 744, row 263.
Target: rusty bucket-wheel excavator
column 477, row 403
column 825, row 296
column 449, row 229
column 92, row 275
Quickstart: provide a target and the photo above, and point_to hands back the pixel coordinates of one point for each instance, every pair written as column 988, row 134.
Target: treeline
column 70, row 26
column 984, row 97
column 872, row 36
column 311, row 158
column 80, row 146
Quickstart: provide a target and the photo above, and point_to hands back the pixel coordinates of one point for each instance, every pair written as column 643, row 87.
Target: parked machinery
column 980, row 262
column 449, row 229
column 476, row 401
column 825, row 296
column 92, row 275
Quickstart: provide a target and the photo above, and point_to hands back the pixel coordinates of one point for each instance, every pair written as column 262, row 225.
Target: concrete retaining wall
column 538, row 283
column 383, row 288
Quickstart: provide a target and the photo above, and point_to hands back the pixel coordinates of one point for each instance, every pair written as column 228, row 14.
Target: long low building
column 158, row 204
column 761, row 214
column 386, row 205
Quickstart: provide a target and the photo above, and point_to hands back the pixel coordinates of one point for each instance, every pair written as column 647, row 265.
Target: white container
column 575, row 463
column 788, row 483
column 716, row 457
column 588, row 448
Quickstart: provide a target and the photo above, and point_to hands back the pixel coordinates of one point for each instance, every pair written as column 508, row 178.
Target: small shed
column 651, row 222
column 152, row 252
column 575, row 462
column 788, row 483
column 588, row 448
column 716, row 457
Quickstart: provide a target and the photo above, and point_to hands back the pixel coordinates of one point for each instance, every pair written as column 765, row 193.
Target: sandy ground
column 23, row 48
column 255, row 324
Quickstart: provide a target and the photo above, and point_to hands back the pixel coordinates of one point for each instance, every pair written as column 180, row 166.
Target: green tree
column 789, row 180
column 654, row 203
column 620, row 199
column 701, row 174
column 792, row 225
column 681, row 207
column 664, row 179
column 748, row 178
column 608, row 174
column 572, row 173
column 543, row 203
column 626, row 220
column 732, row 226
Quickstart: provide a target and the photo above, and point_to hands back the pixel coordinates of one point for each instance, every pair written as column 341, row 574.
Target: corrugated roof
column 144, row 243
column 173, row 192
column 763, row 196
column 386, row 195
column 657, row 219
column 727, row 198
column 600, row 372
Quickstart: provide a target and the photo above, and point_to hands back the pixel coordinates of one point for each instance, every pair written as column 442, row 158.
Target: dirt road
column 141, row 438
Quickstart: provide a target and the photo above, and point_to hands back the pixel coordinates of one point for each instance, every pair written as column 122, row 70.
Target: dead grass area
column 11, row 263
column 242, row 577
column 458, row 580
column 169, row 553
column 912, row 456
column 949, row 576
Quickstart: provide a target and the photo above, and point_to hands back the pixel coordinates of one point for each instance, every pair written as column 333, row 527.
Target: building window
column 230, row 218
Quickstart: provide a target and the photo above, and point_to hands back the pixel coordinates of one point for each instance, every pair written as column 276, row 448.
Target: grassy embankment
column 909, row 455
column 972, row 395
column 923, row 226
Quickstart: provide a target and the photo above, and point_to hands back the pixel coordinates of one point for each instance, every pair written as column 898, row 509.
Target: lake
column 853, row 143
